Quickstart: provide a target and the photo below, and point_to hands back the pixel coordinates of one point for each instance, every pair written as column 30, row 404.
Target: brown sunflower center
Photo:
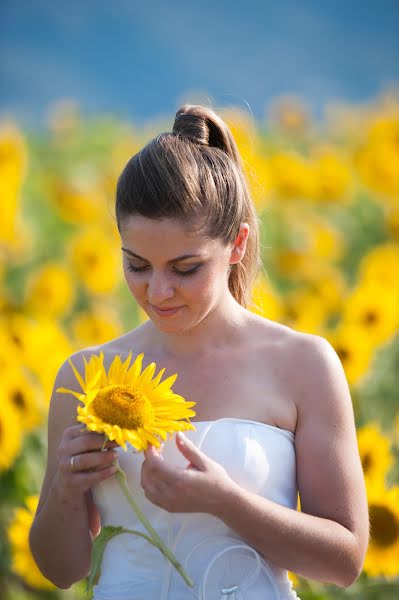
column 123, row 405
column 18, row 399
column 343, row 353
column 384, row 526
column 370, row 317
column 367, row 461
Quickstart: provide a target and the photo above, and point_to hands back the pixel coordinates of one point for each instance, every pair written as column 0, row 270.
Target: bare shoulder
column 317, row 374
column 329, row 472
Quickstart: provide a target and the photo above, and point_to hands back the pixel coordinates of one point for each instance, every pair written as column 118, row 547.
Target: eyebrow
column 173, row 260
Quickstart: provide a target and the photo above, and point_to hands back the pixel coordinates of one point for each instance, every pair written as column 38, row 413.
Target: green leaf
column 107, row 533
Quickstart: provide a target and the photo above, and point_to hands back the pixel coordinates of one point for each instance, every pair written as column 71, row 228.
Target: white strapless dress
column 260, row 458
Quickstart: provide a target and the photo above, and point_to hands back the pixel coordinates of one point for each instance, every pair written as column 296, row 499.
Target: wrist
column 64, row 491
column 228, row 497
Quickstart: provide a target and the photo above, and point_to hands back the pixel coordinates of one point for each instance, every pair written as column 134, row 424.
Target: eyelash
column 179, row 273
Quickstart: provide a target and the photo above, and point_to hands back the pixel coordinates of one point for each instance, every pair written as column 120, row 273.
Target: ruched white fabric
column 260, row 458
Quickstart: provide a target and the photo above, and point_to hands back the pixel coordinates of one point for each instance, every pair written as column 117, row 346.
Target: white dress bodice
column 260, row 458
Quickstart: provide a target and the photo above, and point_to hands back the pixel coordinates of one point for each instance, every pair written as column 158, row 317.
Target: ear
column 239, row 244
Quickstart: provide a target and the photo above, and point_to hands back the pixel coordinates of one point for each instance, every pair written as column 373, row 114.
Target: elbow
column 350, row 578
column 353, row 566
column 48, row 570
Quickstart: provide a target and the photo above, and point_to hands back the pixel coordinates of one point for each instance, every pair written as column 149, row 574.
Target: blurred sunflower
column 50, row 290
column 323, row 241
column 24, row 396
column 9, row 357
column 354, row 349
column 327, row 283
column 333, row 177
column 290, row 114
column 383, row 552
column 19, row 330
column 23, row 563
column 374, row 309
column 375, row 454
column 95, row 258
column 12, row 171
column 304, row 311
column 95, row 326
column 47, row 347
column 265, row 301
column 292, row 177
column 378, row 157
column 291, row 262
column 128, row 404
column 392, row 220
column 381, row 267
column 77, row 203
column 10, row 433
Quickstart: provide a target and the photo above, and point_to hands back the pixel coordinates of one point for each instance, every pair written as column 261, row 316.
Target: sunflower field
column 327, row 195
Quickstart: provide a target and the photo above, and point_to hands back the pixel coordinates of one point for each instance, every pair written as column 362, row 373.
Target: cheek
column 208, row 286
column 133, row 282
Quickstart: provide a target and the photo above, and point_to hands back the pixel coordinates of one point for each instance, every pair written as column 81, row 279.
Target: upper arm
column 62, row 414
column 329, row 472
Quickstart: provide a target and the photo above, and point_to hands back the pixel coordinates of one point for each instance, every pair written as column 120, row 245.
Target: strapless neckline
column 285, row 432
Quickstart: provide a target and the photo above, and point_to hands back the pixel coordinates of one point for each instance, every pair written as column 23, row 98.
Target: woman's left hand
column 201, row 487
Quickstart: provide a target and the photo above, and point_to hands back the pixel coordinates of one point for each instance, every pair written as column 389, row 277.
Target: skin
column 222, row 354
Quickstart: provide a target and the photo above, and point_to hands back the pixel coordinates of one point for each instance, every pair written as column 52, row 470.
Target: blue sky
column 141, row 59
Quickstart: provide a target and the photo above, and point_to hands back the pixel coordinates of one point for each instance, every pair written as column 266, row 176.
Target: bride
column 273, row 418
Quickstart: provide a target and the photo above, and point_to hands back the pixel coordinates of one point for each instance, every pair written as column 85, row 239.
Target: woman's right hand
column 81, row 461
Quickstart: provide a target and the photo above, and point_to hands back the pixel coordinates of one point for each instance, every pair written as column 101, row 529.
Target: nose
column 159, row 289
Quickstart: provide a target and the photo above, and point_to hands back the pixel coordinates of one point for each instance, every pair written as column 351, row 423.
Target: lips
column 164, row 312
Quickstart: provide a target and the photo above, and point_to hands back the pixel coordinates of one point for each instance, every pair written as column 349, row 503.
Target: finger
column 88, row 479
column 93, row 460
column 89, row 442
column 80, row 430
column 75, row 430
column 153, row 453
column 190, row 451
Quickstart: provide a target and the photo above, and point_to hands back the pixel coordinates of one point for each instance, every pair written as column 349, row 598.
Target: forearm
column 311, row 546
column 60, row 537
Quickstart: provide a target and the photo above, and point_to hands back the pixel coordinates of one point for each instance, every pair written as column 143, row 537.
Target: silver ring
column 71, row 464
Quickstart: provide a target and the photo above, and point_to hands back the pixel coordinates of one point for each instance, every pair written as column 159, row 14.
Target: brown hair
column 195, row 174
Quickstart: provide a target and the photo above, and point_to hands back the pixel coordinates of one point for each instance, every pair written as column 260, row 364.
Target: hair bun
column 202, row 125
column 190, row 122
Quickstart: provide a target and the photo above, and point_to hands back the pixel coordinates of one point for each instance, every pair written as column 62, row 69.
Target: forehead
column 170, row 237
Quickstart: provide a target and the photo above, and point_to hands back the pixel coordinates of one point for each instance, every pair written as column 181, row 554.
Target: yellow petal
column 134, row 370
column 114, row 371
column 77, row 375
column 147, row 374
column 76, row 394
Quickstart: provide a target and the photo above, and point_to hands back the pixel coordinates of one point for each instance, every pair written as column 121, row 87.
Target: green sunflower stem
column 157, row 541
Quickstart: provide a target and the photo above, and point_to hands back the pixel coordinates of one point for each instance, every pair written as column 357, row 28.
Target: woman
column 274, row 413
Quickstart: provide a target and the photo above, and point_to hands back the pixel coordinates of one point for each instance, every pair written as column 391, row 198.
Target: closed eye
column 176, row 271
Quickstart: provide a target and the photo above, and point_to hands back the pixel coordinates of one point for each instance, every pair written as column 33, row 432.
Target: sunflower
column 354, row 349
column 23, row 563
column 25, row 397
column 94, row 257
column 375, row 454
column 96, row 325
column 50, row 290
column 128, row 404
column 383, row 551
column 265, row 301
column 374, row 308
column 11, row 434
